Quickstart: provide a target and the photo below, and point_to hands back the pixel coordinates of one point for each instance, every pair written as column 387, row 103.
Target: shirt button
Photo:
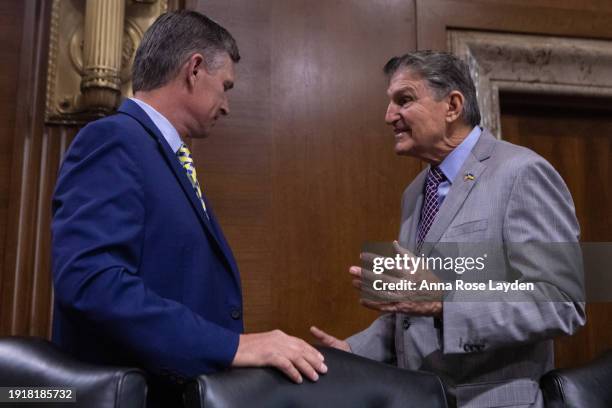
column 236, row 314
column 406, row 324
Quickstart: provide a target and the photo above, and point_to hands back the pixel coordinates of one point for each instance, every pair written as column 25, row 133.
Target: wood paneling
column 303, row 172
column 26, row 266
column 590, row 5
column 434, row 17
column 337, row 180
column 11, row 21
column 576, row 138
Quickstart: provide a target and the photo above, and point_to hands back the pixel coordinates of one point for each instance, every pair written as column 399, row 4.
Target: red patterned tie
column 431, row 205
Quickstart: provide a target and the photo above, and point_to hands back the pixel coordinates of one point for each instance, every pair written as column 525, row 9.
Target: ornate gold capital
column 92, row 47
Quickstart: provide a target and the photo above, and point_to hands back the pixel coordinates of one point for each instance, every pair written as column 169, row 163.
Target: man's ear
column 193, row 68
column 455, row 106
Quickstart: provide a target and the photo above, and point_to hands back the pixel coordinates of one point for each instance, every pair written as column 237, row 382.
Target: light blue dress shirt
column 168, row 131
column 451, row 165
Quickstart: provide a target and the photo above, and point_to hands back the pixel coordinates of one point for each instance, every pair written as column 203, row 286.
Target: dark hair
column 171, row 40
column 444, row 73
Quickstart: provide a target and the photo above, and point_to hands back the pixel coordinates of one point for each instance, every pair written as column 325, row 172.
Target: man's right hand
column 291, row 355
column 329, row 340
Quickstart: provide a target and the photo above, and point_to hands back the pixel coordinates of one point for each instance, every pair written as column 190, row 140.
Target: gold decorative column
column 103, row 38
column 91, row 51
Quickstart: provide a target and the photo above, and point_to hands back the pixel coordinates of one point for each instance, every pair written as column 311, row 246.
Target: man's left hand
column 412, row 302
column 420, row 308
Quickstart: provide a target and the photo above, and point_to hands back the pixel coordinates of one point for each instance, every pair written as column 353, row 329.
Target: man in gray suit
column 489, row 348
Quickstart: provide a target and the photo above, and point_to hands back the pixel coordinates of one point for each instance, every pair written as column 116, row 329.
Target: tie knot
column 183, row 151
column 435, row 176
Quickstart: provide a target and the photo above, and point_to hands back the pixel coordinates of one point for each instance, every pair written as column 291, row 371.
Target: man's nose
column 392, row 114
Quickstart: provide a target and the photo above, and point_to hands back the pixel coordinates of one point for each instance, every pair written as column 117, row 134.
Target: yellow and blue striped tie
column 184, row 156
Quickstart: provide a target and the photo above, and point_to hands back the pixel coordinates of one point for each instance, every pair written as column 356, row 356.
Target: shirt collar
column 165, row 127
column 451, row 165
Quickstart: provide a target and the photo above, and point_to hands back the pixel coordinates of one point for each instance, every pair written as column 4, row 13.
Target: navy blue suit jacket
column 141, row 275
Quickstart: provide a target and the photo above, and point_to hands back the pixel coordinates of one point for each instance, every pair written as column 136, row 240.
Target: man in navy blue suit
column 142, row 272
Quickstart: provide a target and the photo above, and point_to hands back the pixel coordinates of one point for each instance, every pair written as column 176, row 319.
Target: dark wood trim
column 434, row 17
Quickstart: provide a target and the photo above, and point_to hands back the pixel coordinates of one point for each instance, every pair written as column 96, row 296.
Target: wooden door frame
column 531, row 64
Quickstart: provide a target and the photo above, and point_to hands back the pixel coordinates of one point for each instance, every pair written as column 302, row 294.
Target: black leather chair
column 588, row 386
column 351, row 381
column 34, row 362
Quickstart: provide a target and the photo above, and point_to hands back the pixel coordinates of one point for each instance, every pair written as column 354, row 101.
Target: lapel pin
column 468, row 176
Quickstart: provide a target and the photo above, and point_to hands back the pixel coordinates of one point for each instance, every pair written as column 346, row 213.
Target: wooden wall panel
column 336, row 178
column 11, row 22
column 584, row 5
column 303, row 172
column 26, row 289
column 434, row 17
column 17, row 263
column 55, row 140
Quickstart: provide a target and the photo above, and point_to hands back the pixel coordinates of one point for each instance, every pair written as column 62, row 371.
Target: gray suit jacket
column 491, row 352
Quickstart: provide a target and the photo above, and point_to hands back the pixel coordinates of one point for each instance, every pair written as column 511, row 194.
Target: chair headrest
column 584, row 386
column 34, row 362
column 351, row 381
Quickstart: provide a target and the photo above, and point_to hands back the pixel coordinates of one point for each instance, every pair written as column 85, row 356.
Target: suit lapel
column 132, row 109
column 460, row 189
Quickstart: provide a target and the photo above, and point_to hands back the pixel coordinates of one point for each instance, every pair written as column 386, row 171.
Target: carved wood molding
column 531, row 64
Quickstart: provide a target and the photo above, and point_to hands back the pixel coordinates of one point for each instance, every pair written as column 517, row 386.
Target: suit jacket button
column 236, row 314
column 406, row 324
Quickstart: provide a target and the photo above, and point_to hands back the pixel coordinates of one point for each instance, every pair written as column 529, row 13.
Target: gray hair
column 444, row 73
column 169, row 43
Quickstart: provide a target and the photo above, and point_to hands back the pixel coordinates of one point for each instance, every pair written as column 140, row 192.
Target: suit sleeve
column 541, row 243
column 377, row 342
column 98, row 229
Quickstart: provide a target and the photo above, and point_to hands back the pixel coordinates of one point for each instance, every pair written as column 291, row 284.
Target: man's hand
column 291, row 355
column 329, row 340
column 411, row 308
column 412, row 302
